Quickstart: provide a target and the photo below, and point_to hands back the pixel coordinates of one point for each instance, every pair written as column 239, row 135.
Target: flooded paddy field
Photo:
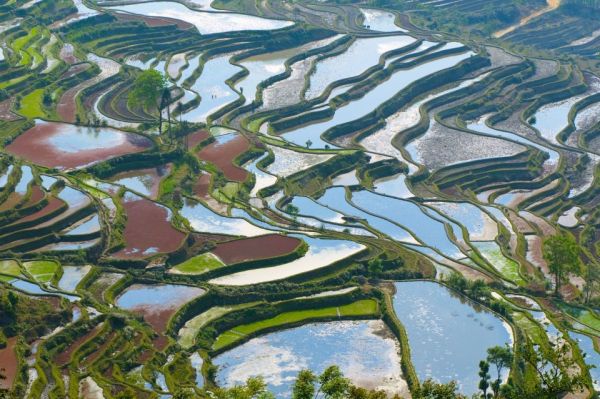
column 281, row 355
column 63, row 146
column 157, row 303
column 438, row 334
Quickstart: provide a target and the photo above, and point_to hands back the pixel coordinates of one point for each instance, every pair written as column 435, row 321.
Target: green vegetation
column 199, row 264
column 9, row 268
column 42, row 271
column 361, row 308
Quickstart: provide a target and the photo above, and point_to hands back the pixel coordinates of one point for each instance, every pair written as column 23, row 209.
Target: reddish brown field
column 223, row 155
column 160, row 343
column 12, row 201
column 256, row 248
column 37, row 194
column 148, row 230
column 202, row 186
column 64, row 357
column 196, row 138
column 66, row 108
column 8, row 364
column 53, row 205
column 35, row 145
column 99, row 350
column 154, row 21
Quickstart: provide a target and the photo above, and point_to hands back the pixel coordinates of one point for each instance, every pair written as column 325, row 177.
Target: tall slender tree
column 147, row 91
column 562, row 254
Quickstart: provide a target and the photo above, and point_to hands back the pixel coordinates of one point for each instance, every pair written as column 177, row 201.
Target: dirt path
column 552, row 5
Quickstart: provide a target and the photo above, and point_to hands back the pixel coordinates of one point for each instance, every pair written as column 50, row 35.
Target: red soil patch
column 36, row 146
column 37, row 194
column 148, row 230
column 202, row 186
column 8, row 364
column 52, row 206
column 196, row 138
column 96, row 354
column 223, row 155
column 153, row 21
column 160, row 343
column 11, row 201
column 158, row 319
column 256, row 248
column 64, row 357
column 66, row 108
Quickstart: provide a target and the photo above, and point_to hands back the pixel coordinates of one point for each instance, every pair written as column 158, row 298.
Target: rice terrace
column 304, row 199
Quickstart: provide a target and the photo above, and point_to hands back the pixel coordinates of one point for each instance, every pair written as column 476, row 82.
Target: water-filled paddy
column 365, row 351
column 380, row 21
column 157, row 303
column 205, row 22
column 448, row 335
column 64, row 146
column 362, row 54
column 203, row 219
column 211, row 87
column 71, row 277
column 405, row 213
column 480, row 226
column 335, row 199
column 481, row 126
column 321, row 253
column 288, row 162
column 262, row 179
column 143, row 181
column 371, row 100
column 591, row 355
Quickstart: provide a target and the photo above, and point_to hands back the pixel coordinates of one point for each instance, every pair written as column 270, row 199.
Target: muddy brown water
column 256, row 248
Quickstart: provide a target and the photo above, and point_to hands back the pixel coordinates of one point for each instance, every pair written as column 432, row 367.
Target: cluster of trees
column 550, row 381
column 563, row 256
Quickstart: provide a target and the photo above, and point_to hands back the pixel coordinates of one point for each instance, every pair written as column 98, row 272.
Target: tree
column 484, row 382
column 304, row 386
column 333, row 383
column 165, row 101
column 147, row 91
column 433, row 390
column 309, row 143
column 501, row 357
column 552, row 379
column 255, row 388
column 562, row 254
column 592, row 280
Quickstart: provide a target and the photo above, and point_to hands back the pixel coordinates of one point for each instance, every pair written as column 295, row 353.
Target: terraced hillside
column 304, row 184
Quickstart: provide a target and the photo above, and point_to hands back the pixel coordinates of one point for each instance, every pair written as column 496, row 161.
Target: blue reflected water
column 448, row 336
